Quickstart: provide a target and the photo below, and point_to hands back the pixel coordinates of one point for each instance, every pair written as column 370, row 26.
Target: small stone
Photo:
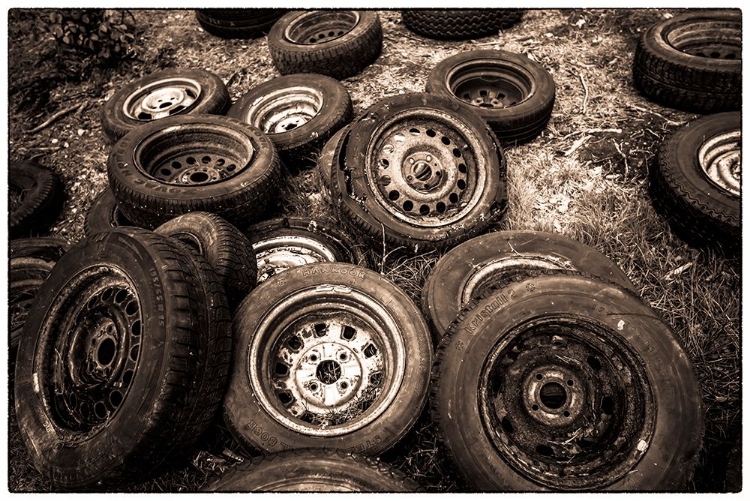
column 55, row 141
column 81, row 132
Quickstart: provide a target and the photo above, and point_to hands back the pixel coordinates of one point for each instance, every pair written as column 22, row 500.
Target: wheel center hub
column 164, row 100
column 553, row 396
column 328, row 374
column 423, row 172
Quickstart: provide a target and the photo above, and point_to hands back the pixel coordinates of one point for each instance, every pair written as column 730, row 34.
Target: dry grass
column 585, row 177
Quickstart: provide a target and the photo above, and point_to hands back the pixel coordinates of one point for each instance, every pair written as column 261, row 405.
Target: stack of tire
column 692, row 62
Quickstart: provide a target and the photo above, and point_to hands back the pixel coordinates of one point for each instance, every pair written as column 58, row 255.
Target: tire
column 238, row 23
column 313, row 470
column 514, row 94
column 331, row 160
column 356, row 42
column 700, row 209
column 238, row 183
column 34, row 198
column 297, row 112
column 170, row 321
column 471, row 269
column 288, row 242
column 103, row 215
column 692, row 61
column 31, row 260
column 733, row 480
column 432, row 210
column 459, row 24
column 184, row 91
column 382, row 384
column 225, row 248
column 553, row 369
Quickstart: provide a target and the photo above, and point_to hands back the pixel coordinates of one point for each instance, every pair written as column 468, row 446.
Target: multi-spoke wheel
column 559, row 381
column 697, row 180
column 514, row 94
column 122, row 363
column 193, row 163
column 328, row 355
column 418, row 173
column 692, row 61
column 163, row 94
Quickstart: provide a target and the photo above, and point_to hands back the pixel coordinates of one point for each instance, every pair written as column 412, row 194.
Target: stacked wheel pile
column 542, row 366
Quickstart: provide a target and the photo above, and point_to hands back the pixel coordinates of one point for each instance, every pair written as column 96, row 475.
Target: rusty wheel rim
column 163, row 98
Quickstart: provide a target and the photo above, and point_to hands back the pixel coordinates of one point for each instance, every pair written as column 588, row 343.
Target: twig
column 576, row 145
column 382, row 261
column 615, row 131
column 56, row 117
column 644, row 110
column 585, row 93
column 625, row 159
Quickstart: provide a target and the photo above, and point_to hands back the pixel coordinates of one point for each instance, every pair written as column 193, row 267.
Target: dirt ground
column 585, row 177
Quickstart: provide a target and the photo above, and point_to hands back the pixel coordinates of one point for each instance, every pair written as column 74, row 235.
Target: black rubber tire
column 213, row 99
column 459, row 24
column 240, row 198
column 733, row 479
column 225, row 248
column 681, row 79
column 313, row 470
column 305, row 140
column 30, row 262
column 697, row 209
column 338, row 244
column 103, row 215
column 172, row 392
column 357, row 202
column 485, row 324
column 301, row 294
column 444, row 291
column 514, row 123
column 41, row 196
column 238, row 23
column 339, row 58
column 331, row 159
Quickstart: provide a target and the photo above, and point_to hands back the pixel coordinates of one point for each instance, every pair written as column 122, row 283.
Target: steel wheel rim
column 423, row 168
column 195, row 154
column 582, row 415
column 720, row 160
column 285, row 109
column 161, row 99
column 707, row 38
column 319, row 27
column 277, row 254
column 491, row 83
column 328, row 362
column 93, row 337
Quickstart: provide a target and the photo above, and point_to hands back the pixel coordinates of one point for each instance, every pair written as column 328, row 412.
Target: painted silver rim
column 161, row 99
column 720, row 160
column 278, row 254
column 491, row 84
column 423, row 168
column 317, row 27
column 713, row 39
column 285, row 109
column 328, row 361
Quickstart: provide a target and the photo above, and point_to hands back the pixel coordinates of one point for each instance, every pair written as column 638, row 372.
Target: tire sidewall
column 276, row 38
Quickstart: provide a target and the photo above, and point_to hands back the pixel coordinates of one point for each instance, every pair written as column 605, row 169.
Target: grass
column 585, row 177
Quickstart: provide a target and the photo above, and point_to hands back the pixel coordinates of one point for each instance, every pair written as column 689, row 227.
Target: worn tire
column 225, row 248
column 238, row 23
column 239, row 180
column 697, row 208
column 619, row 359
column 471, row 269
column 479, row 175
column 459, row 24
column 356, row 42
column 313, row 470
column 287, row 242
column 331, row 160
column 194, row 91
column 381, row 385
column 514, row 94
column 30, row 262
column 146, row 413
column 692, row 61
column 103, row 215
column 320, row 106
column 40, row 196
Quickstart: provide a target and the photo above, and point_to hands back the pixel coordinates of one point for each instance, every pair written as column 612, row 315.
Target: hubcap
column 163, row 98
column 720, row 160
column 317, row 27
column 567, row 404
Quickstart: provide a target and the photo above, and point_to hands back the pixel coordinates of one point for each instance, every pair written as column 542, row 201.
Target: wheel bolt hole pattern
column 446, row 141
column 190, row 160
column 431, row 133
column 553, row 395
column 535, row 407
column 370, row 350
column 569, row 382
column 344, row 385
column 424, row 210
column 176, row 165
column 348, row 333
column 166, row 172
column 231, row 167
column 461, row 184
column 440, row 207
column 313, row 358
column 394, row 195
column 566, row 414
column 414, row 131
column 105, row 353
column 456, row 152
column 608, row 405
column 594, row 363
column 206, row 160
column 408, row 205
column 342, row 356
column 384, row 162
column 314, row 386
column 462, row 168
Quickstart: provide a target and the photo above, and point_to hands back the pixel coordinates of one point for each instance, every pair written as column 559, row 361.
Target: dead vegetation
column 585, row 177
